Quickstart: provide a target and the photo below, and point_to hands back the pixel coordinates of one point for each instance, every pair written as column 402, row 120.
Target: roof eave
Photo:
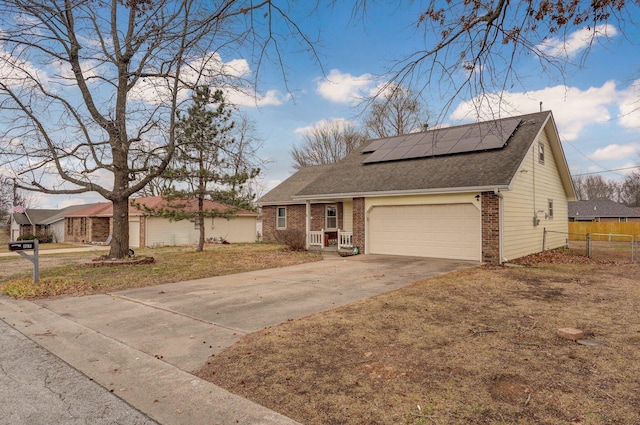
column 435, row 191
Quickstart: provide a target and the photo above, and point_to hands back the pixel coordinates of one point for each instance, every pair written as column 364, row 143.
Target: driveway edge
column 156, row 388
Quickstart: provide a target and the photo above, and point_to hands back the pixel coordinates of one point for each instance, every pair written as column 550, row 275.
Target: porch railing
column 345, row 239
column 316, row 238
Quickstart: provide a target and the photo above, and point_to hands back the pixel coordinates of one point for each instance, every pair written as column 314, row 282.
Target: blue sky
column 594, row 104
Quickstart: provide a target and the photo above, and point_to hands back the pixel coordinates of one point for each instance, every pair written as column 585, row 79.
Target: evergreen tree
column 203, row 168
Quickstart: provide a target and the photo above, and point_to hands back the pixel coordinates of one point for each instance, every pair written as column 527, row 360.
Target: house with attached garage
column 482, row 192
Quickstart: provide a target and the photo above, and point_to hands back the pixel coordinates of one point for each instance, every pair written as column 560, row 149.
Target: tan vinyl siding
column 532, row 188
column 236, row 230
column 160, row 231
column 347, row 216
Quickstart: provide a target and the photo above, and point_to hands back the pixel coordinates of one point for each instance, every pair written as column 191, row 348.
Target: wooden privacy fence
column 601, row 230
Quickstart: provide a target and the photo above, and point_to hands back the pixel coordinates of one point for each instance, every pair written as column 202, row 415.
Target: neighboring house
column 94, row 224
column 481, row 192
column 602, row 210
column 41, row 221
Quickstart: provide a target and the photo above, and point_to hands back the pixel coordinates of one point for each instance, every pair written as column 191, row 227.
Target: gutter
column 438, row 191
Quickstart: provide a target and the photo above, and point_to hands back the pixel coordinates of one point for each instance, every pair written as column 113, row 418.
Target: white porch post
column 307, row 223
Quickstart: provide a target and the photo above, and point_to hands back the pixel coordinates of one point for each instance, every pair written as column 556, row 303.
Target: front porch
column 329, row 240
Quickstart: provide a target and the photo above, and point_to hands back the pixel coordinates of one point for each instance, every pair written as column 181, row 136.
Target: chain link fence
column 601, row 246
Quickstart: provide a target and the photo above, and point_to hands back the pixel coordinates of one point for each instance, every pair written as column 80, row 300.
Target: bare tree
column 7, row 197
column 470, row 47
column 325, row 143
column 245, row 158
column 593, row 187
column 631, row 190
column 90, row 89
column 397, row 111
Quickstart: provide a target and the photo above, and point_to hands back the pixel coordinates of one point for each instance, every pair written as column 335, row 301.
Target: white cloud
column 573, row 108
column 210, row 70
column 18, row 73
column 630, row 107
column 245, row 98
column 615, row 151
column 89, row 70
column 341, row 87
column 577, row 41
column 340, row 122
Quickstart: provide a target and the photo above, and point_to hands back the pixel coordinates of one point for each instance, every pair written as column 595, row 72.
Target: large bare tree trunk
column 120, row 235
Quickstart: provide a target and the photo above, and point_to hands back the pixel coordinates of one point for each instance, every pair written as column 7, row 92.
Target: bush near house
column 41, row 237
column 294, row 239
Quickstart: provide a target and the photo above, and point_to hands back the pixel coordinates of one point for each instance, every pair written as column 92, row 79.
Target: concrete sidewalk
column 142, row 344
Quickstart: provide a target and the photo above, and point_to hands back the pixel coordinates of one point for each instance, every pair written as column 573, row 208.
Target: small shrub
column 294, row 239
column 41, row 237
column 45, row 237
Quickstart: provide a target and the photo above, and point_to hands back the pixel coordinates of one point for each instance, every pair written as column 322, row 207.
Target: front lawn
column 478, row 346
column 67, row 274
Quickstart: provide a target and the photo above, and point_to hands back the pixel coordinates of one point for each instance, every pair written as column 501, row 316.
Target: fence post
column 544, row 238
column 588, row 239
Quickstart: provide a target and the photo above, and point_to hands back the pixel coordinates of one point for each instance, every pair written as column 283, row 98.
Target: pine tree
column 203, row 168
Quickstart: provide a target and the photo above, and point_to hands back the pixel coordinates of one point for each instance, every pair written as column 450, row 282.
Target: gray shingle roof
column 21, row 218
column 481, row 169
column 40, row 216
column 600, row 208
column 285, row 191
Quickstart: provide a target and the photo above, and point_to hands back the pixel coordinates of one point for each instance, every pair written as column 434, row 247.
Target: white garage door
column 438, row 231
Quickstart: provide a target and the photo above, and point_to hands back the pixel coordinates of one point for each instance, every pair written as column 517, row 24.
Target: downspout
column 307, row 223
column 501, row 258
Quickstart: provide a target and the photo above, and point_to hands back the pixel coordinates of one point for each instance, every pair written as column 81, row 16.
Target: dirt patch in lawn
column 475, row 346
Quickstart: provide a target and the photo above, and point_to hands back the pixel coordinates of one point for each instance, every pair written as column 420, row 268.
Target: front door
column 331, row 225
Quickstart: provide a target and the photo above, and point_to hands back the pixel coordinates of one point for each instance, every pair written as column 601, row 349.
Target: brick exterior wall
column 296, row 219
column 490, row 228
column 358, row 224
column 100, row 229
column 77, row 230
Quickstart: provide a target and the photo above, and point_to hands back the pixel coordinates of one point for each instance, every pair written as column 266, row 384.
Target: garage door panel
column 439, row 231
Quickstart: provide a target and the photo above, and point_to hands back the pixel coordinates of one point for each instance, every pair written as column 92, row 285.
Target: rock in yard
column 570, row 333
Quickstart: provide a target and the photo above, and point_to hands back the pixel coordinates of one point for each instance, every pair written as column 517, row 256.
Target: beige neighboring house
column 482, row 192
column 93, row 225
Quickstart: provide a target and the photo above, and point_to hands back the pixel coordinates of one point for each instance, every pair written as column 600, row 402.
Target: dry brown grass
column 476, row 346
column 66, row 274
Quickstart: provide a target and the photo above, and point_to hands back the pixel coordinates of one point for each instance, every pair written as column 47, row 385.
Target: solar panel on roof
column 446, row 141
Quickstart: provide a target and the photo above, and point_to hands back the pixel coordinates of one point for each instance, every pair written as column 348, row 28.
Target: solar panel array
column 444, row 141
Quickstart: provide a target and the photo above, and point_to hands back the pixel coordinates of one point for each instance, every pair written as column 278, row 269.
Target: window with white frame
column 331, row 217
column 550, row 202
column 541, row 153
column 281, row 218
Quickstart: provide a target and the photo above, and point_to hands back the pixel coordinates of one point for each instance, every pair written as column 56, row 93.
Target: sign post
column 20, row 247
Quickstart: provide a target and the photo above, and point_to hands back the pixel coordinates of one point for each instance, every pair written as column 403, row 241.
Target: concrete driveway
column 143, row 343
